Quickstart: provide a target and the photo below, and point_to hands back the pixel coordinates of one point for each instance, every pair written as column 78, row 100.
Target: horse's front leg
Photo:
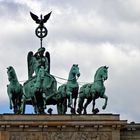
column 106, row 99
column 69, row 95
column 10, row 104
column 44, row 100
column 75, row 100
column 23, row 102
column 70, row 102
column 10, row 99
column 93, row 106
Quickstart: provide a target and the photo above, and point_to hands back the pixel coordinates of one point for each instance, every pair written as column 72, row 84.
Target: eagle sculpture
column 42, row 20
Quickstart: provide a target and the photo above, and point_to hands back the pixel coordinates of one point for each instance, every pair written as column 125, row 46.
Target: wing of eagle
column 46, row 17
column 35, row 18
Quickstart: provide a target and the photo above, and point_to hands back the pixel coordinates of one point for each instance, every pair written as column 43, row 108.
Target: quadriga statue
column 93, row 91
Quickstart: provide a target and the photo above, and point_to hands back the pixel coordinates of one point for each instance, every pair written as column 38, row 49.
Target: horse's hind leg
column 86, row 104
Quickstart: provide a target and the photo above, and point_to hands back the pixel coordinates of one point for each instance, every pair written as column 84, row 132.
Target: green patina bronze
column 41, row 86
column 93, row 91
column 14, row 90
column 38, row 60
column 40, row 89
column 70, row 90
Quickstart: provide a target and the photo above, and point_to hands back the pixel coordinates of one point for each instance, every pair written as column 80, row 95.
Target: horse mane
column 74, row 65
column 97, row 71
column 70, row 72
column 14, row 76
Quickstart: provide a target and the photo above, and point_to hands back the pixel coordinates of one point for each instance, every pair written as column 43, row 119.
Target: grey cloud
column 11, row 10
column 100, row 23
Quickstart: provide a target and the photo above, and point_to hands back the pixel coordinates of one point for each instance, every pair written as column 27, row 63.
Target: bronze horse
column 93, row 91
column 70, row 90
column 14, row 90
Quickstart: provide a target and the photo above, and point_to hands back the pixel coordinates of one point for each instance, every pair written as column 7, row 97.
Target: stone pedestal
column 60, row 127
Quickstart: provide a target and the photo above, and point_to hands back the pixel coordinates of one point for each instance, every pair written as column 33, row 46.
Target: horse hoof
column 73, row 111
column 10, row 107
column 95, row 111
column 85, row 112
column 50, row 111
column 103, row 107
column 79, row 111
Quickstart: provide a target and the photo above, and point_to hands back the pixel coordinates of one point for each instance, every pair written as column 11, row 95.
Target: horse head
column 74, row 72
column 101, row 74
column 11, row 73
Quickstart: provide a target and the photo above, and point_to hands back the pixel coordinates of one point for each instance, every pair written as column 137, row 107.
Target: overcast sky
column 91, row 33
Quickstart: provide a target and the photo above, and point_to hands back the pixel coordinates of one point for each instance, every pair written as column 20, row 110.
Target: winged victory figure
column 37, row 60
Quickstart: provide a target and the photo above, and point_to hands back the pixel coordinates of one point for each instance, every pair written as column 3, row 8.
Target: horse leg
column 69, row 95
column 86, row 104
column 59, row 108
column 80, row 105
column 106, row 99
column 64, row 106
column 10, row 106
column 15, row 108
column 93, row 106
column 10, row 99
column 18, row 104
column 23, row 102
column 44, row 101
column 14, row 105
column 59, row 102
column 75, row 100
column 94, row 110
column 34, row 103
